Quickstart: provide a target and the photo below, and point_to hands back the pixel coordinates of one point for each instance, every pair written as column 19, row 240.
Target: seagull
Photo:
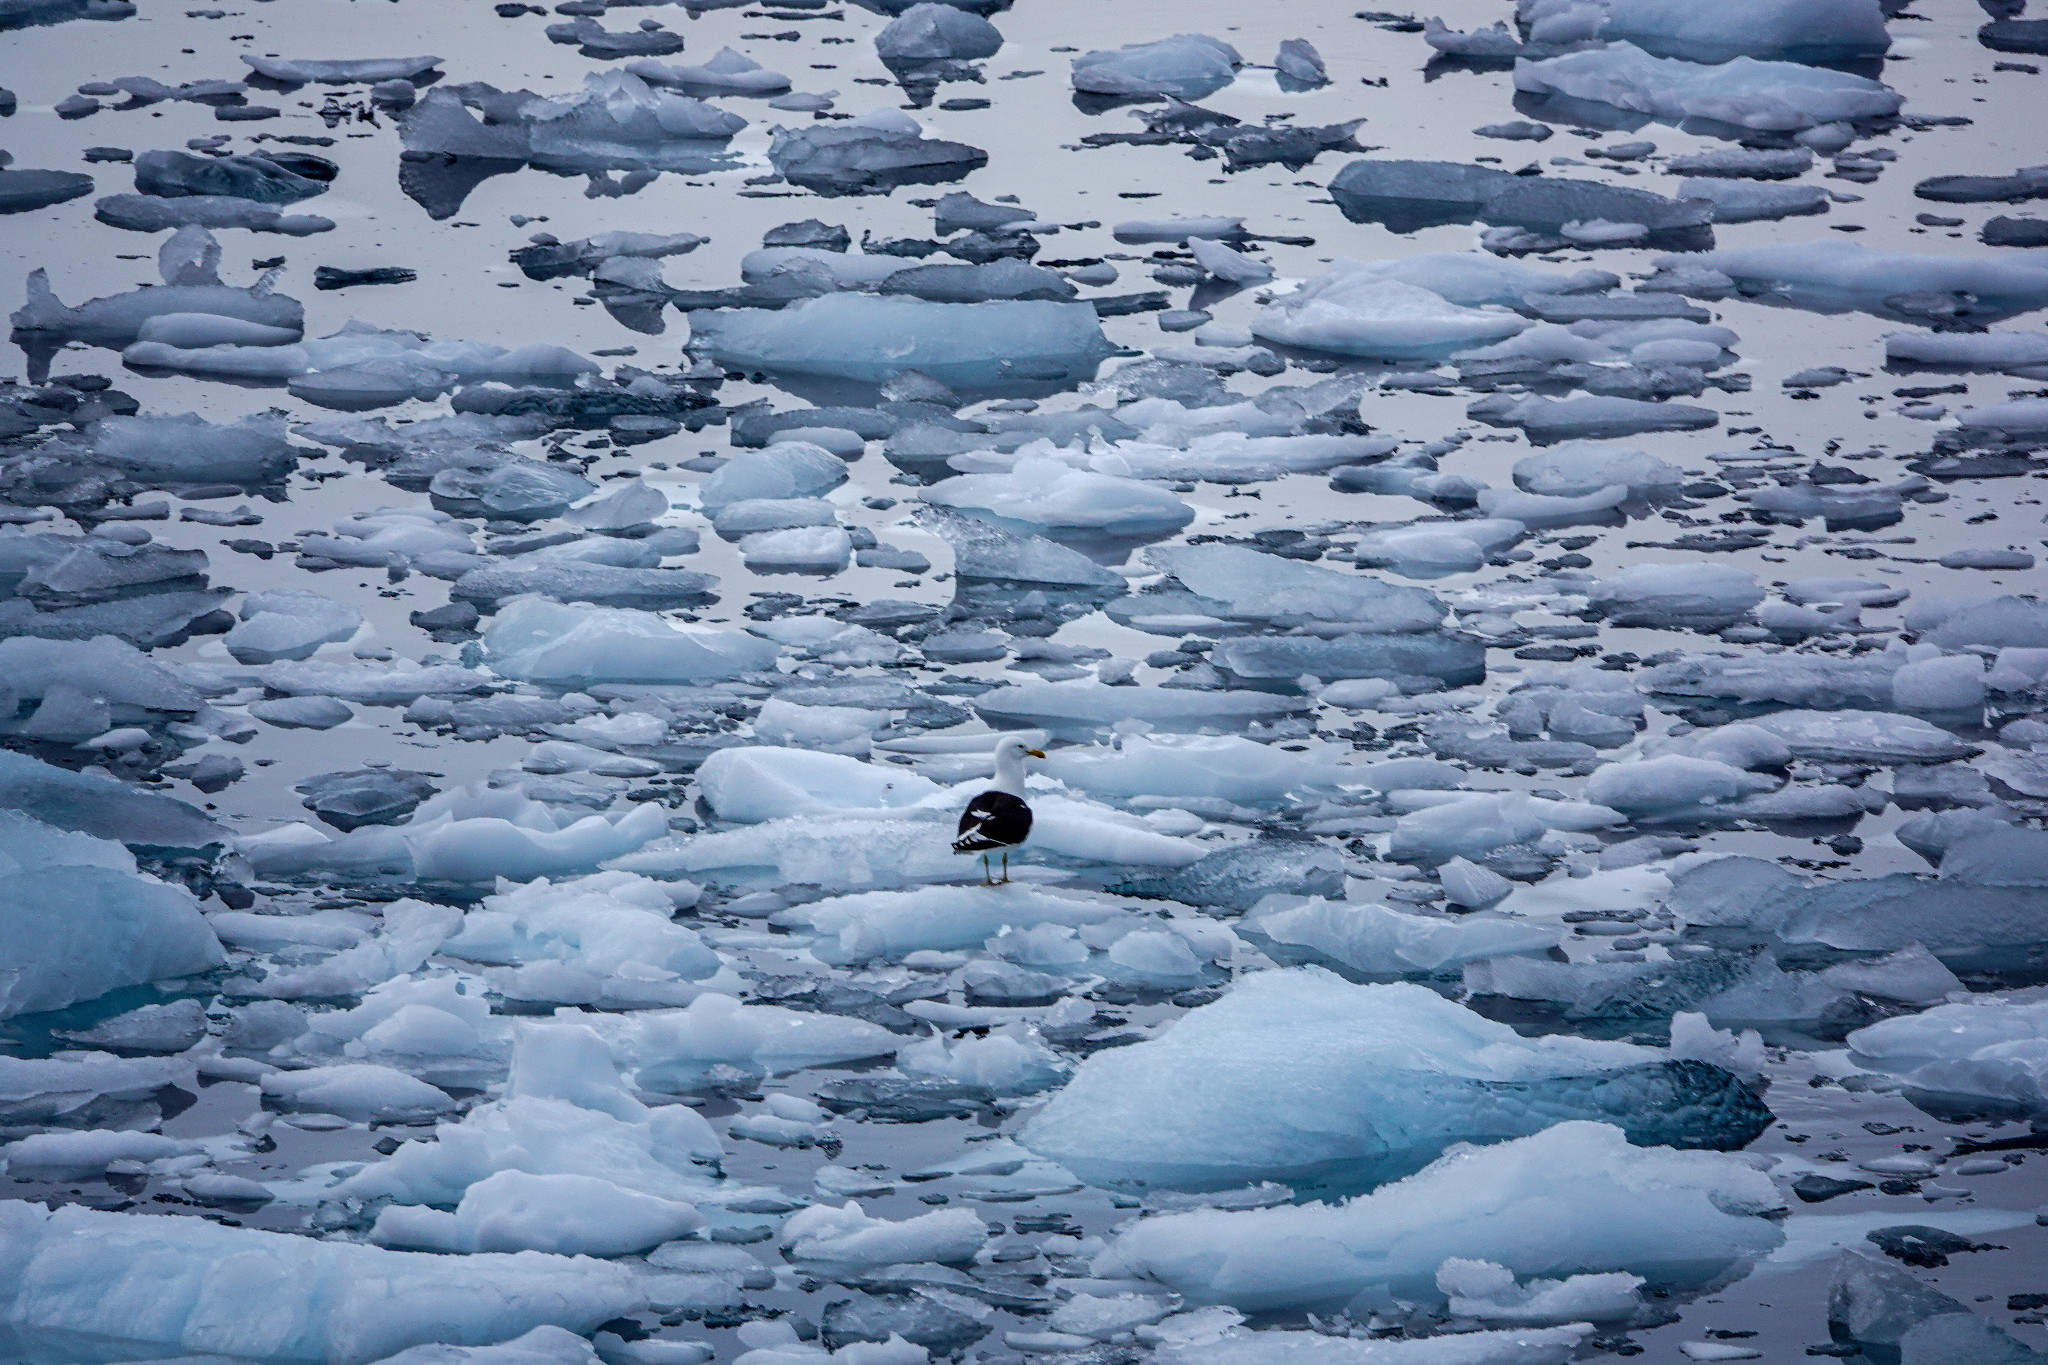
column 998, row 818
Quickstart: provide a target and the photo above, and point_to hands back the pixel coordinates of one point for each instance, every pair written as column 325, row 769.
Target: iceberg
column 1759, row 96
column 727, row 73
column 1837, row 277
column 154, row 213
column 1252, row 586
column 1272, row 1346
column 1045, row 494
column 890, row 925
column 936, row 32
column 604, row 925
column 289, row 625
column 1576, row 468
column 1187, row 66
column 2012, row 352
column 1573, row 1199
column 1083, row 706
column 565, row 1111
column 846, row 1239
column 171, row 175
column 1299, row 1076
column 350, row 71
column 1676, row 596
column 1812, row 31
column 761, row 782
column 85, row 1283
column 22, row 191
column 1379, row 941
column 569, row 1215
column 676, row 1051
column 871, row 154
column 77, row 920
column 1407, row 195
column 1991, row 1053
column 1737, row 202
column 90, row 803
column 1359, row 312
column 538, row 640
column 1473, row 825
column 870, row 339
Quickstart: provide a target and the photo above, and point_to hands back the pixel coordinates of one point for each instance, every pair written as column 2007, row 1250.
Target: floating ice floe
column 313, row 1291
column 872, row 339
column 727, row 73
column 1539, row 1205
column 1993, row 1053
column 1407, row 195
column 536, row 639
column 1743, row 93
column 1818, row 31
column 873, row 153
column 1188, row 66
column 80, row 920
column 1256, row 1055
column 1361, row 313
column 1834, row 277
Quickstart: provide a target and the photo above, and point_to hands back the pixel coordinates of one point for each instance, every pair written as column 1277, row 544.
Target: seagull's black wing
column 993, row 820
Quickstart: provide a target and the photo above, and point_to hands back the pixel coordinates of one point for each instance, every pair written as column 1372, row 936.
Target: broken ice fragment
column 357, row 71
column 1358, row 312
column 80, row 921
column 22, row 191
column 871, row 154
column 870, row 339
column 727, row 73
column 1118, row 1093
column 1744, row 93
column 1188, row 66
column 1711, row 1217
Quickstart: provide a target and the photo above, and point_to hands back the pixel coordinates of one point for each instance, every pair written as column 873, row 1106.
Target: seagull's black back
column 994, row 819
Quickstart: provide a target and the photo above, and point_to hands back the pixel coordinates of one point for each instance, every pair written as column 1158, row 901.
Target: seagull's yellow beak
column 1034, row 753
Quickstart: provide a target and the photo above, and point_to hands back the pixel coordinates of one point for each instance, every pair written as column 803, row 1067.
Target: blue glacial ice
column 1355, row 1085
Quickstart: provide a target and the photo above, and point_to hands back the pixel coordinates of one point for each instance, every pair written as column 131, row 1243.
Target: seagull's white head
column 1011, row 752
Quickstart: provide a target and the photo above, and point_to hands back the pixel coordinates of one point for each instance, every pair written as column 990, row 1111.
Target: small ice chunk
column 937, row 32
column 77, row 920
column 1187, row 66
column 1351, row 310
column 1227, row 264
column 535, row 639
column 964, row 346
column 1676, row 596
column 847, row 1239
column 289, row 624
column 1768, row 96
column 571, row 1215
column 359, row 1091
column 1488, row 1292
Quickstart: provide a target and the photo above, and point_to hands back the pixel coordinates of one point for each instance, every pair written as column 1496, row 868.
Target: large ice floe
column 1536, row 1205
column 188, row 1287
column 1354, row 1084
